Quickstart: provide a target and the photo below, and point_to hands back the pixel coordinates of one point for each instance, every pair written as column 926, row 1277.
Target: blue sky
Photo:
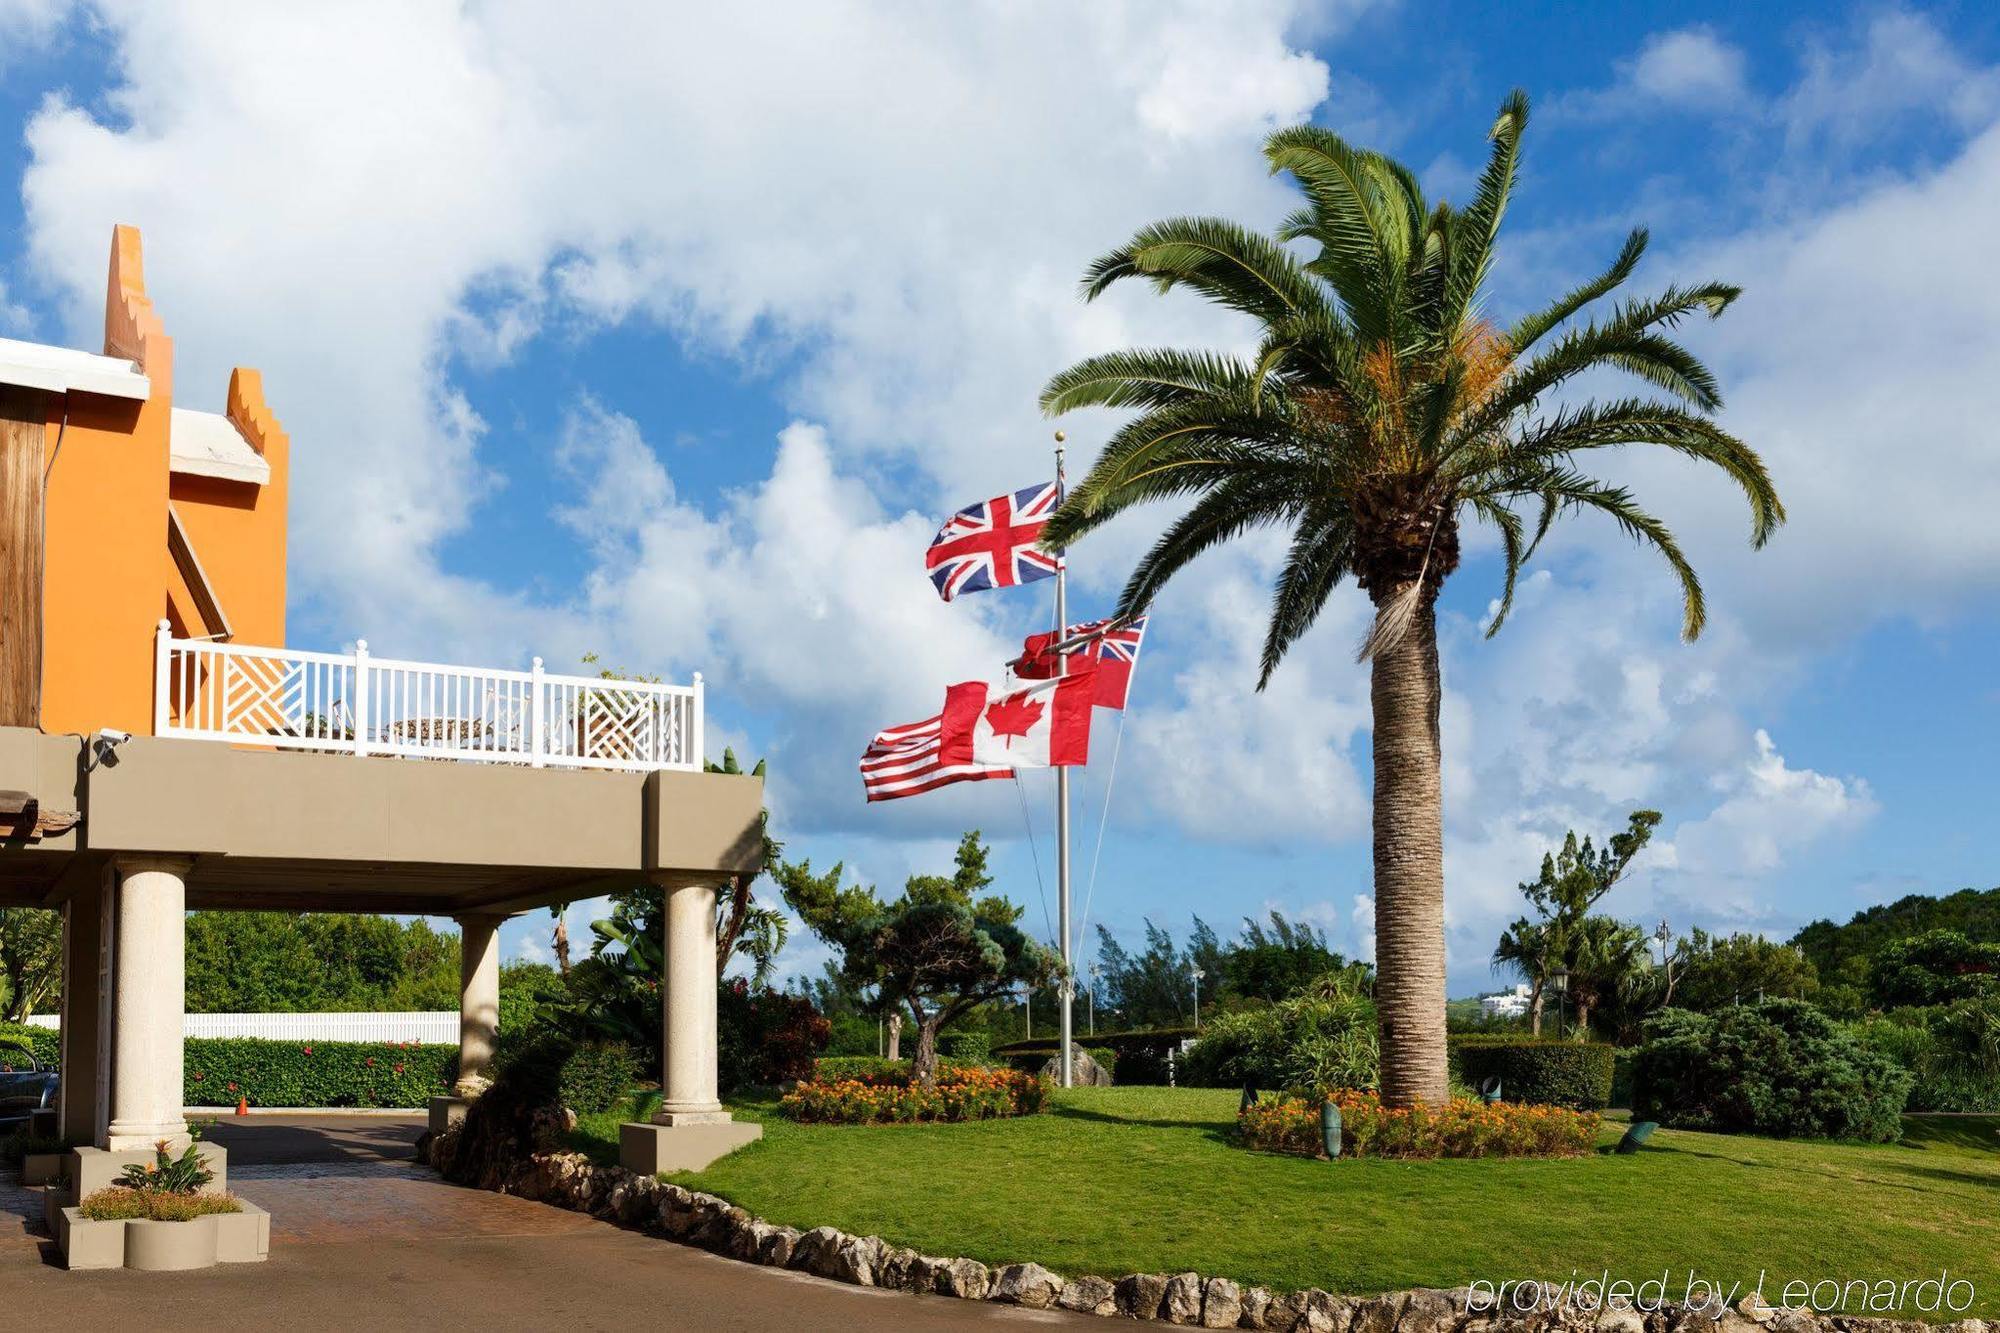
column 672, row 337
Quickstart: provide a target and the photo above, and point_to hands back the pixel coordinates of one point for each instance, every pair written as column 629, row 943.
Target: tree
column 1604, row 958
column 1275, row 963
column 1380, row 410
column 937, row 952
column 1843, row 954
column 1725, row 970
column 1150, row 989
column 1936, row 967
column 254, row 962
column 1530, row 948
column 30, row 960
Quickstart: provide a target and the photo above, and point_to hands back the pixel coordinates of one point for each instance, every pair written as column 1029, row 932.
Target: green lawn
column 1122, row 1180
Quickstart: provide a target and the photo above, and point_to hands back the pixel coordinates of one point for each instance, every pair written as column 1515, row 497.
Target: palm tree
column 1605, row 958
column 1533, row 949
column 1380, row 409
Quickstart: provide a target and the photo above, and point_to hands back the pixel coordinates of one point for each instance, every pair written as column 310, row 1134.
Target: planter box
column 170, row 1247
column 165, row 1247
column 55, row 1198
column 39, row 1168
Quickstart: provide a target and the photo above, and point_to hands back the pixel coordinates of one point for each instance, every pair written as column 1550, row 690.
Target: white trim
column 208, row 444
column 63, row 369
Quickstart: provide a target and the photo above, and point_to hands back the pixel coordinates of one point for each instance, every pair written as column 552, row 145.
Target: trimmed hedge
column 1575, row 1074
column 598, row 1075
column 218, row 1070
column 1141, row 1056
column 1030, row 1059
column 45, row 1043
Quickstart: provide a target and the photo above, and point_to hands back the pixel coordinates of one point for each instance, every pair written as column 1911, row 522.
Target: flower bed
column 962, row 1093
column 119, row 1203
column 1460, row 1128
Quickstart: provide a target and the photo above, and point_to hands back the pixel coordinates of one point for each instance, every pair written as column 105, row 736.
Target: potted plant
column 159, row 1218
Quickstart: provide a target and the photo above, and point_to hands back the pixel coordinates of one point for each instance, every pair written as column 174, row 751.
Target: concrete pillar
column 478, row 1001
column 687, row 1053
column 150, row 971
column 82, row 1007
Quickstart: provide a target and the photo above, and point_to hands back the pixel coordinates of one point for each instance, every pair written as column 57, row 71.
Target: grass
column 1131, row 1180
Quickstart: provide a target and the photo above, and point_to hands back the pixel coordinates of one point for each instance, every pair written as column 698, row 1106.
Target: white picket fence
column 365, row 705
column 440, row 1028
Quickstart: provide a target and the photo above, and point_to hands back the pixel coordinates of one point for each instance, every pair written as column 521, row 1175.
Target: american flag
column 911, row 759
column 1112, row 644
column 992, row 544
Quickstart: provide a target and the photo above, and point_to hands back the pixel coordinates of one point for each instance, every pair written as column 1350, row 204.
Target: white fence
column 424, row 1028
column 365, row 705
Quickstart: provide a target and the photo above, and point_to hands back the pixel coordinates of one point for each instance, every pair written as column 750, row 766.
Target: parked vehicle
column 25, row 1087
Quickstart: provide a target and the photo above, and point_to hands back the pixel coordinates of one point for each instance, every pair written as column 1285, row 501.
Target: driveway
column 362, row 1240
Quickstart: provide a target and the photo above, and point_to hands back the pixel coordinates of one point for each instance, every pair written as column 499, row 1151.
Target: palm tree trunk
column 923, row 1070
column 1409, row 863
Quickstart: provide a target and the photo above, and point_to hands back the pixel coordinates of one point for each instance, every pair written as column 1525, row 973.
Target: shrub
column 1952, row 1053
column 1142, row 1057
column 1030, row 1059
column 833, row 1068
column 596, row 1075
column 1778, row 1067
column 971, row 1048
column 764, row 1037
column 1576, row 1074
column 219, row 1070
column 21, row 1144
column 1936, row 967
column 962, row 1093
column 120, row 1204
column 1463, row 1127
column 44, row 1043
column 1308, row 1044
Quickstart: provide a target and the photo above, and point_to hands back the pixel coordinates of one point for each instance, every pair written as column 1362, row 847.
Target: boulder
column 1139, row 1295
column 897, row 1269
column 1089, row 1295
column 967, row 1279
column 1256, row 1308
column 1221, row 1303
column 1430, row 1310
column 1084, row 1072
column 1029, row 1285
column 776, row 1249
column 1182, row 1302
column 814, row 1251
column 855, row 1259
column 1324, row 1312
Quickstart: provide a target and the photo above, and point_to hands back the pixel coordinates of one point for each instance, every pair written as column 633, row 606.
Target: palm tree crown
column 1382, row 404
column 1380, row 407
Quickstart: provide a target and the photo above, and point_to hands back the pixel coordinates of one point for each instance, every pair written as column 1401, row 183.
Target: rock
column 814, row 1250
column 1139, row 1295
column 1377, row 1314
column 1029, row 1285
column 897, row 1268
column 1182, row 1302
column 1324, row 1312
column 1084, row 1072
column 1620, row 1319
column 1221, row 1303
column 1089, row 1295
column 748, row 1240
column 855, row 1259
column 1256, row 1308
column 967, row 1279
column 776, row 1250
column 1430, row 1310
column 1286, row 1311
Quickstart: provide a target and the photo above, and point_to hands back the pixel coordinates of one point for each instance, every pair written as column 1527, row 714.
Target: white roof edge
column 208, row 444
column 65, row 370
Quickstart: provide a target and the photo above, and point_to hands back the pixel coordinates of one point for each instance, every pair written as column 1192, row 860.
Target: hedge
column 219, row 1070
column 1575, row 1074
column 45, row 1043
column 1030, row 1059
column 1141, row 1056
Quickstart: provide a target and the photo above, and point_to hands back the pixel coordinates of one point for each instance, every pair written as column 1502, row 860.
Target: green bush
column 764, row 1037
column 831, row 1068
column 218, row 1070
column 1309, row 1043
column 1936, row 967
column 44, row 1043
column 973, row 1048
column 1952, row 1053
column 1141, row 1056
column 1575, row 1074
column 1029, row 1059
column 1778, row 1067
column 597, row 1075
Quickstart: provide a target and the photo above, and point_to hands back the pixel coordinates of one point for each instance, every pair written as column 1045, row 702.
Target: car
column 26, row 1087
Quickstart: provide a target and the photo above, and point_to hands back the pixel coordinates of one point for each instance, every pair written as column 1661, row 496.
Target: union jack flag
column 1112, row 644
column 992, row 544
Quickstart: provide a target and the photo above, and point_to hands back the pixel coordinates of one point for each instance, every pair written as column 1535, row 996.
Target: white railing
column 425, row 1027
column 364, row 705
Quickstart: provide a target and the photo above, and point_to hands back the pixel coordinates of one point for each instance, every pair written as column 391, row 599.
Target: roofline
column 110, row 376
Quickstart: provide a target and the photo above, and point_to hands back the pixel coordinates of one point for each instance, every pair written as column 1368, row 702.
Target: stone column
column 150, row 977
column 478, row 1001
column 82, row 1010
column 687, row 1054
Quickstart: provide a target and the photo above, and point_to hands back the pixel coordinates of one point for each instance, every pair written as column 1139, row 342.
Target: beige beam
column 478, row 1001
column 150, row 968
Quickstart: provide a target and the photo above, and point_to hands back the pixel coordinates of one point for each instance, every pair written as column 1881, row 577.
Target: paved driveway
column 362, row 1241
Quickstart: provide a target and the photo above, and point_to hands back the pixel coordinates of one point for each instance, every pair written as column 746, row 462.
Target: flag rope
column 1103, row 820
column 1035, row 855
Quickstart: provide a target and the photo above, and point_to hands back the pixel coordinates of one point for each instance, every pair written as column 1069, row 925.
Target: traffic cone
column 243, row 1106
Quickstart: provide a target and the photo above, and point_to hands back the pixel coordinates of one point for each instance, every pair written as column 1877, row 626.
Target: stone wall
column 571, row 1180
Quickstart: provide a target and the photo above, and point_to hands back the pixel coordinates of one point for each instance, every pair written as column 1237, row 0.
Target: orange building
column 119, row 510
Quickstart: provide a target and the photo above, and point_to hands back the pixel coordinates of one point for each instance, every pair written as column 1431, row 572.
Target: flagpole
column 1062, row 793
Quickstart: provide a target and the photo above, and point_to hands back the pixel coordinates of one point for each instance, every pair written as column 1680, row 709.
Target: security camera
column 104, row 748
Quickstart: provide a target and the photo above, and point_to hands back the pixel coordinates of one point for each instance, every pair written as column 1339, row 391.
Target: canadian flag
column 1022, row 724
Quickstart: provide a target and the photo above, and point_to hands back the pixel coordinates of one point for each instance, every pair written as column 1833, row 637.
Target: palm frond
column 1529, row 330
column 1227, row 263
column 1232, row 508
column 1321, row 555
column 1144, row 377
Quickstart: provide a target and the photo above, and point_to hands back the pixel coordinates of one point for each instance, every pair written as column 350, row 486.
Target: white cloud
column 1687, row 69
column 1768, row 809
column 1859, row 91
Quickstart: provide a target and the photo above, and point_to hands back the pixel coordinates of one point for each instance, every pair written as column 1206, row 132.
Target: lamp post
column 1090, row 996
column 1561, row 979
column 1196, row 974
column 1028, row 1010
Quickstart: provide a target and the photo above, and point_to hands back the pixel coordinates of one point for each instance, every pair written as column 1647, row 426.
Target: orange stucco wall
column 108, row 578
